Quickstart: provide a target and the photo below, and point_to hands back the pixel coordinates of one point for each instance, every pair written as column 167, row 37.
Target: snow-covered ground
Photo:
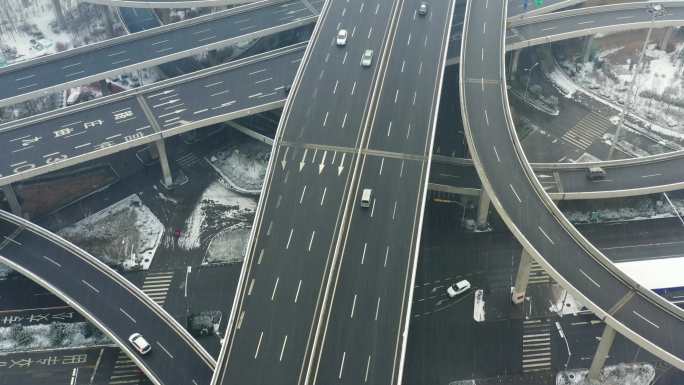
column 30, row 28
column 658, row 108
column 622, row 374
column 228, row 246
column 218, row 209
column 639, row 209
column 243, row 165
column 18, row 338
column 4, row 271
column 125, row 234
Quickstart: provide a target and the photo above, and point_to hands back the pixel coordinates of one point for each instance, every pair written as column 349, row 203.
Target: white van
column 366, row 197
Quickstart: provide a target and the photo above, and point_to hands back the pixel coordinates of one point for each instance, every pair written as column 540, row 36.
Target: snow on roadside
column 217, row 208
column 19, row 338
column 644, row 208
column 4, row 271
column 125, row 234
column 621, row 374
column 479, row 306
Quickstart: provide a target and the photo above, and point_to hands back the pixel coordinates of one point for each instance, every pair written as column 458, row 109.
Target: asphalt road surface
column 172, row 360
column 24, row 80
column 516, row 196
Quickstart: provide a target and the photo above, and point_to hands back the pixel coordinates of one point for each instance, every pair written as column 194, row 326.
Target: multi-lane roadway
column 86, row 64
column 107, row 300
column 541, row 228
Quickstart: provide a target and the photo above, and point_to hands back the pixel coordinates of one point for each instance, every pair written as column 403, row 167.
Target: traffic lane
column 572, row 23
column 517, row 7
column 482, row 60
column 54, row 72
column 405, row 111
column 454, row 175
column 289, row 277
column 368, row 22
column 247, row 86
column 654, row 324
column 636, row 176
column 362, row 335
column 121, row 312
column 524, row 206
column 67, row 136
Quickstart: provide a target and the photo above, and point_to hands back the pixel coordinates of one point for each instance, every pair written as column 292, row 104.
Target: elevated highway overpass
column 106, row 299
column 642, row 316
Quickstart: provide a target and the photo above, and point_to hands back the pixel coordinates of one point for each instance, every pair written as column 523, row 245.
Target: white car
column 367, row 58
column 459, row 288
column 341, row 37
column 139, row 343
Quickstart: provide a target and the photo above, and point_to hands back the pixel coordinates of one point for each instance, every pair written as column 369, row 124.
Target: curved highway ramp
column 642, row 316
column 106, row 299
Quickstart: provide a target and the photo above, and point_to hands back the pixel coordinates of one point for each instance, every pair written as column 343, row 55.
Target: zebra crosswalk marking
column 156, row 286
column 587, row 131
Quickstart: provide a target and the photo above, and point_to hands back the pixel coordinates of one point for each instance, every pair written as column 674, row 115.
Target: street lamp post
column 529, row 76
column 655, row 10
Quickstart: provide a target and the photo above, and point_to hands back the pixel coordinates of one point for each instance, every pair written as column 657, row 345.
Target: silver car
column 367, row 58
column 139, row 343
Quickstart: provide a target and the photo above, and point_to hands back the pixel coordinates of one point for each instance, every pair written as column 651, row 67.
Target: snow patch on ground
column 228, row 246
column 18, row 338
column 243, row 166
column 125, row 234
column 622, row 374
column 565, row 304
column 479, row 306
column 4, row 271
column 646, row 208
column 218, row 208
column 566, row 86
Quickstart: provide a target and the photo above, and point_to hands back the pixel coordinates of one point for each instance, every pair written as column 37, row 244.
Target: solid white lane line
column 365, row 378
column 645, row 319
column 515, row 192
column 497, row 154
column 289, row 239
column 251, row 286
column 275, row 288
column 282, row 350
column 299, row 286
column 386, row 255
column 93, row 288
column 256, row 354
column 344, row 355
column 363, row 255
column 313, row 234
column 301, row 197
column 589, row 278
column 377, row 309
column 164, row 349
column 546, row 235
column 127, row 315
column 651, row 175
column 52, row 261
column 351, row 315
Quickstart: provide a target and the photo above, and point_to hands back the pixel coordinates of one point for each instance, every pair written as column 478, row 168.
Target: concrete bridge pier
column 587, row 48
column 514, row 63
column 167, row 177
column 521, row 278
column 666, row 38
column 12, row 199
column 601, row 355
column 483, row 210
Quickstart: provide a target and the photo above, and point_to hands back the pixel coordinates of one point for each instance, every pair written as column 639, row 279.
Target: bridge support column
column 587, row 48
column 12, row 199
column 164, row 162
column 514, row 63
column 483, row 210
column 521, row 278
column 601, row 354
column 666, row 38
